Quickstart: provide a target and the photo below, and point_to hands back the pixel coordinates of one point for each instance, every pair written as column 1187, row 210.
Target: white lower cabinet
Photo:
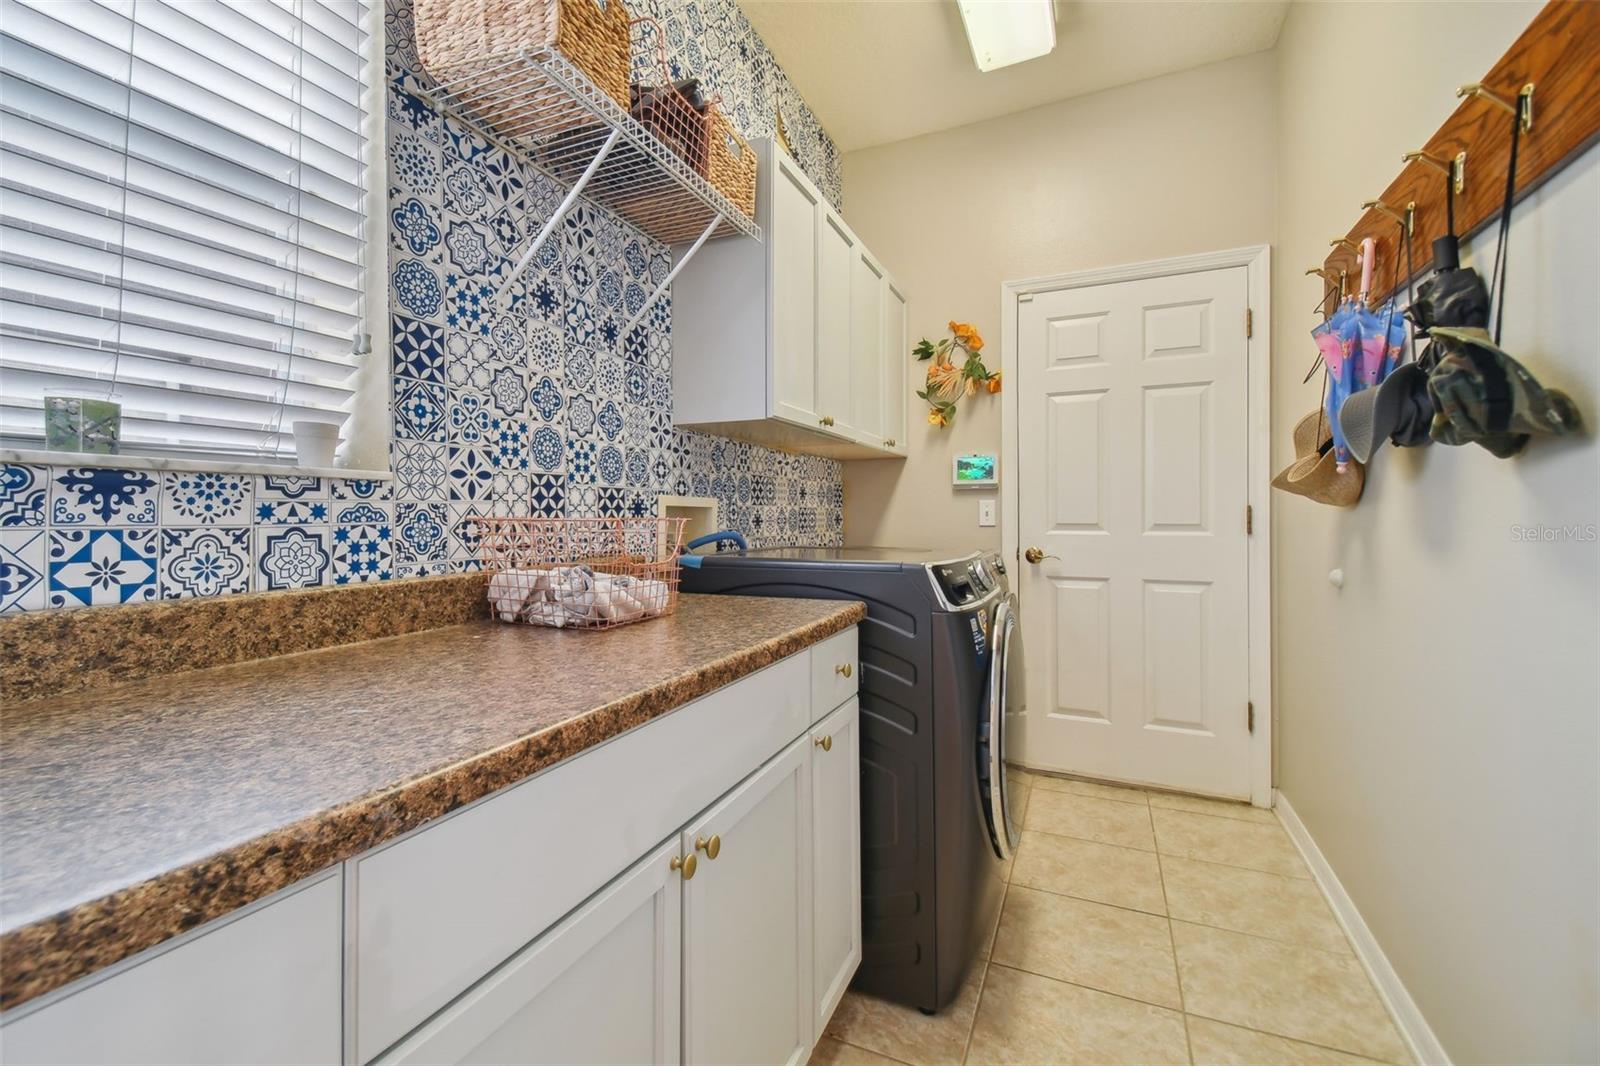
column 835, row 859
column 259, row 987
column 601, row 987
column 747, row 921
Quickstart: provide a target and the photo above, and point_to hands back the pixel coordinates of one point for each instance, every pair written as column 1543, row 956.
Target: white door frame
column 1257, row 260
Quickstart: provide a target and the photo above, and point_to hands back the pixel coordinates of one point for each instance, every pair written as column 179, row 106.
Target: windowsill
column 41, row 457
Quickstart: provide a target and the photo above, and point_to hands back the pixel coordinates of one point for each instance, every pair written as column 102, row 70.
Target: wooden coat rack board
column 1559, row 54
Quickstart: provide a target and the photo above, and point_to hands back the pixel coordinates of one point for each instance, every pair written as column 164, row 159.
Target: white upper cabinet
column 834, row 263
column 796, row 212
column 867, row 354
column 785, row 341
column 896, row 358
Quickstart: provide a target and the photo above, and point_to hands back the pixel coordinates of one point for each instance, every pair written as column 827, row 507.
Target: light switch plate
column 985, row 512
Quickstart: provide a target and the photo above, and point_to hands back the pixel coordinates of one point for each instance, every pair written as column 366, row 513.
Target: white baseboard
column 1414, row 1028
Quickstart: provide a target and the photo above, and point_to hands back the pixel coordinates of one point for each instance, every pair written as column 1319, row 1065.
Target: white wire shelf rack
column 540, row 105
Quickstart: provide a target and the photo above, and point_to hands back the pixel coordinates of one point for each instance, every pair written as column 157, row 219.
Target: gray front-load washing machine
column 938, row 650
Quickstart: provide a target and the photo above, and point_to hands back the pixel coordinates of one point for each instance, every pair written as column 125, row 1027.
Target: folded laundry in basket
column 510, row 590
column 574, row 596
column 650, row 597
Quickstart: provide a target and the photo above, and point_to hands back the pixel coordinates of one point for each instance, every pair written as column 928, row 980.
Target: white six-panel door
column 1132, row 483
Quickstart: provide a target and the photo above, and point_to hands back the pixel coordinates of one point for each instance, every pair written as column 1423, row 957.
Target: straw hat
column 1314, row 473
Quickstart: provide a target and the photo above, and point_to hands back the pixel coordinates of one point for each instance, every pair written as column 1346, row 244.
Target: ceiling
column 876, row 71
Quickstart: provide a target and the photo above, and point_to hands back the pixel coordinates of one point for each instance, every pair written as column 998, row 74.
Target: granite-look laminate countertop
column 132, row 813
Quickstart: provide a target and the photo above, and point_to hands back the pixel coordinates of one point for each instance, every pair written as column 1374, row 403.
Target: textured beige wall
column 1437, row 716
column 1171, row 166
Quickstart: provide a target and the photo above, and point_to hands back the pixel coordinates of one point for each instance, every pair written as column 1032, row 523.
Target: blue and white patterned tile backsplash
column 518, row 400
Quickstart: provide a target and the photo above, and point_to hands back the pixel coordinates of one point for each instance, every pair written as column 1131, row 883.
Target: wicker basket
column 466, row 46
column 730, row 163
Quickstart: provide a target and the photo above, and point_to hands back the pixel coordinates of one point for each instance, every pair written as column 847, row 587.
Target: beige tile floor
column 1141, row 927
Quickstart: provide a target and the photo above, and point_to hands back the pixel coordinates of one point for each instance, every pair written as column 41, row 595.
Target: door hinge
column 1250, row 716
column 1249, row 323
column 1024, row 297
column 1249, row 519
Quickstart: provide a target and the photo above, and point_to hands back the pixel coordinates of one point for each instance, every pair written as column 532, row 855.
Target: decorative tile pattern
column 22, row 570
column 290, row 487
column 362, row 489
column 295, row 557
column 94, row 496
column 22, row 495
column 363, row 544
column 421, row 533
column 204, row 562
column 89, row 567
column 206, row 499
column 291, row 512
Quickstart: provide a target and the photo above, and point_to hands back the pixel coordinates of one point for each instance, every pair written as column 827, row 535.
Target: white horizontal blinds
column 182, row 189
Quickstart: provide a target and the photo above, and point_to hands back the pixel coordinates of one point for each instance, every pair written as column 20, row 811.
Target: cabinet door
column 792, row 245
column 836, row 256
column 867, row 351
column 262, row 987
column 896, row 358
column 603, row 986
column 747, row 920
column 835, row 859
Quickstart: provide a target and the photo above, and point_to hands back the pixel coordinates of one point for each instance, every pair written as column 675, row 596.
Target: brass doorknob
column 826, row 420
column 712, row 847
column 686, row 864
column 1033, row 555
column 843, row 669
column 825, row 743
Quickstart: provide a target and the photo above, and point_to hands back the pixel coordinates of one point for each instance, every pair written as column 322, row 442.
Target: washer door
column 1003, row 828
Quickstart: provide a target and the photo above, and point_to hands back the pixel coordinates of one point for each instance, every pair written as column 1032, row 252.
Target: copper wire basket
column 586, row 573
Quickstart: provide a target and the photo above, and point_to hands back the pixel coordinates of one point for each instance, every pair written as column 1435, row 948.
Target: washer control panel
column 963, row 582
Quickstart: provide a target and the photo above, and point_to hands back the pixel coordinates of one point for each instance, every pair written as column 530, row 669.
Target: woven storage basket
column 465, row 46
column 673, row 121
column 730, row 164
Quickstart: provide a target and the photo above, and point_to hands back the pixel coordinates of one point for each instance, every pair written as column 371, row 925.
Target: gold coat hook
column 1332, row 279
column 1456, row 168
column 1405, row 220
column 1345, row 242
column 1523, row 107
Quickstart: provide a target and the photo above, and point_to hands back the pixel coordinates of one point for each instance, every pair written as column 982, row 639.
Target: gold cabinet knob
column 712, row 847
column 843, row 669
column 686, row 864
column 825, row 420
column 825, row 743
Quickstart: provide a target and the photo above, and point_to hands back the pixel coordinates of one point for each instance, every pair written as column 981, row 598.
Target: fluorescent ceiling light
column 1004, row 32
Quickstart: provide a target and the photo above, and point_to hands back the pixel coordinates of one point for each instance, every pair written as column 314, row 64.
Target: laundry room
column 842, row 532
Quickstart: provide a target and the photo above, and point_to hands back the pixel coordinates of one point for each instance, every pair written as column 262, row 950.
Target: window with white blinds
column 183, row 189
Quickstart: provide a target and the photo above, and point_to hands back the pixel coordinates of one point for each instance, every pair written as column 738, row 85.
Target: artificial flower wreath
column 947, row 382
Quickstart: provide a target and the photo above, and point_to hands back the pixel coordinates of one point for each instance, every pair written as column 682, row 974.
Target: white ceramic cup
column 315, row 443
